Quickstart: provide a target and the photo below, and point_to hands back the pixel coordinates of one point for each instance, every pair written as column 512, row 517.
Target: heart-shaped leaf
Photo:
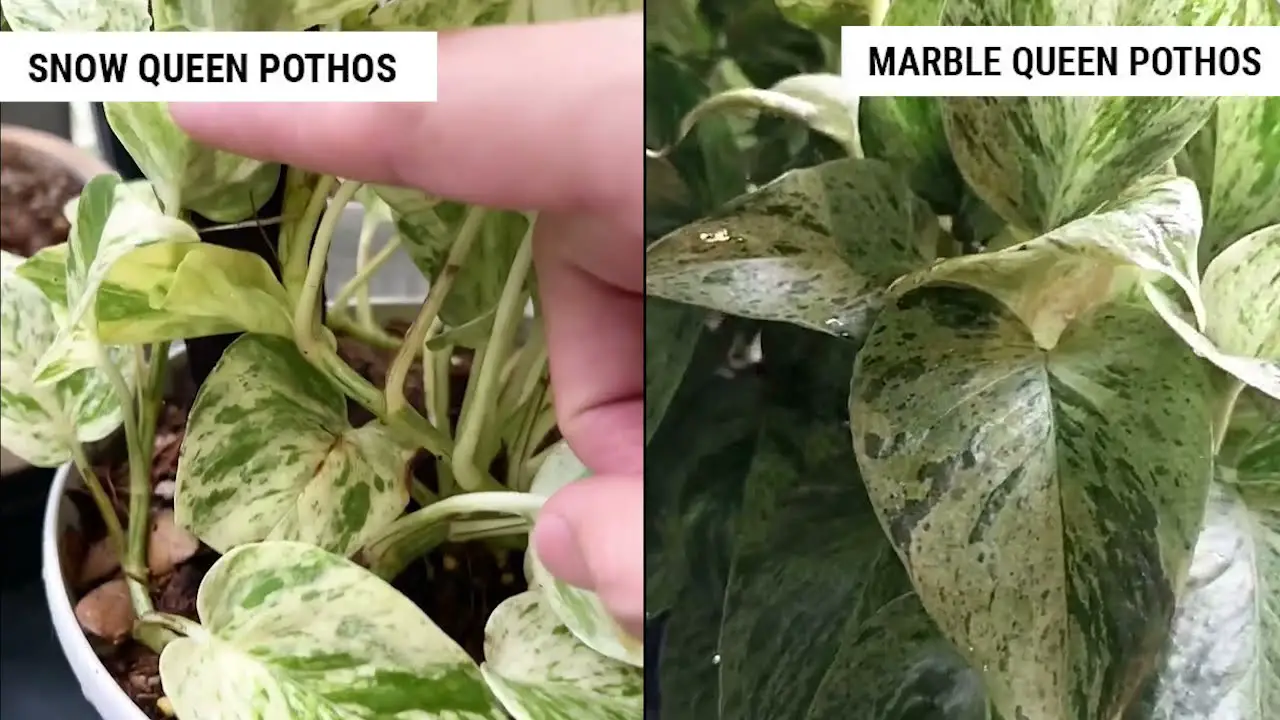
column 539, row 670
column 292, row 631
column 77, row 15
column 1241, row 297
column 269, row 454
column 907, row 132
column 816, row 247
column 1041, row 162
column 112, row 220
column 40, row 423
column 250, row 15
column 173, row 291
column 579, row 610
column 188, row 176
column 1051, row 279
column 1045, row 501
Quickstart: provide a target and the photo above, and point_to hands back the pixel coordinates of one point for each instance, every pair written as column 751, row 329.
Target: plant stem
column 469, row 530
column 1226, row 409
column 519, row 449
column 471, row 426
column 115, row 532
column 528, row 372
column 298, row 262
column 430, row 310
column 175, row 624
column 373, row 335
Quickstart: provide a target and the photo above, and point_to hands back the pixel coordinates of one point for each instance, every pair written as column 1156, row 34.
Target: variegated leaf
column 579, row 610
column 1049, row 280
column 269, row 454
column 816, row 247
column 39, row 423
column 819, row 616
column 1045, row 501
column 545, row 11
column 1043, row 161
column 828, row 16
column 290, row 631
column 77, row 15
column 112, row 220
column 436, row 15
column 1241, row 297
column 539, row 671
column 824, row 102
column 1223, row 656
column 907, row 132
column 250, row 15
column 174, row 291
column 218, row 185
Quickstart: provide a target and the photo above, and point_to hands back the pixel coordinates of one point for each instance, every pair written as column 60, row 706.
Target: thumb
column 590, row 534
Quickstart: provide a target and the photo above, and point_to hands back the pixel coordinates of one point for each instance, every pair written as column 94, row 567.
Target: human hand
column 547, row 118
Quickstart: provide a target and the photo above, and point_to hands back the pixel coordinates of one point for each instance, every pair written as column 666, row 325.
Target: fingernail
column 557, row 548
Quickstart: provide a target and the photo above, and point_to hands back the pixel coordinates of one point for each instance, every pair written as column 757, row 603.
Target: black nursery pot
column 111, row 149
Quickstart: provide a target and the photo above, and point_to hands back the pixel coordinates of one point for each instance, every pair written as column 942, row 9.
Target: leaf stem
column 472, row 424
column 115, row 532
column 1227, row 408
column 296, row 260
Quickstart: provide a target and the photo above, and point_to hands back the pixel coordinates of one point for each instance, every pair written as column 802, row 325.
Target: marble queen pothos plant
column 1053, row 492
column 297, row 619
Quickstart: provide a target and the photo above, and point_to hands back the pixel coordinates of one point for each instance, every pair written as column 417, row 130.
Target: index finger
column 540, row 117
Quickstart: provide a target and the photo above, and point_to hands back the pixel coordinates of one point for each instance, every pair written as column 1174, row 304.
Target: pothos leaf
column 671, row 333
column 269, row 454
column 816, row 247
column 111, row 222
column 77, row 15
column 828, row 16
column 39, row 423
column 1241, row 296
column 250, row 15
column 1044, row 161
column 800, row 641
column 186, row 175
column 1064, row 273
column 1223, row 656
column 292, row 631
column 537, row 669
column 907, row 132
column 822, row 101
column 578, row 610
column 1044, row 501
column 174, row 290
column 436, row 15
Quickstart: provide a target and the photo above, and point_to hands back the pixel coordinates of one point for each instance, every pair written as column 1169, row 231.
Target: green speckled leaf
column 39, row 423
column 218, row 185
column 250, row 15
column 816, row 247
column 579, row 610
column 269, row 454
column 437, row 15
column 290, row 631
column 671, row 333
column 828, row 16
column 1241, row 296
column 77, row 15
column 112, row 221
column 907, row 132
column 539, row 670
column 1223, row 658
column 1151, row 228
column 1045, row 502
column 819, row 616
column 174, row 291
column 1044, row 161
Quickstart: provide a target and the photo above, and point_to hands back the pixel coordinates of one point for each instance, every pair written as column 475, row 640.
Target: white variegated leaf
column 39, row 423
column 250, row 15
column 543, row 11
column 437, row 15
column 77, row 15
column 269, row 454
column 174, row 291
column 1047, row 281
column 290, row 631
column 579, row 610
column 539, row 671
column 186, row 175
column 1241, row 296
column 828, row 16
column 112, row 220
column 1043, row 161
column 817, row 247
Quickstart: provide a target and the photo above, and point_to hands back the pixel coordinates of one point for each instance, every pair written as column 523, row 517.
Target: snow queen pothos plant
column 226, row 253
column 1009, row 442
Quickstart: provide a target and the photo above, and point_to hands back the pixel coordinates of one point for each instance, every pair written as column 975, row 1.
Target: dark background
column 36, row 683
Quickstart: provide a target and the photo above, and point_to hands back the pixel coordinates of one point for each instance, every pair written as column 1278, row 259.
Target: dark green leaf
column 671, row 333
